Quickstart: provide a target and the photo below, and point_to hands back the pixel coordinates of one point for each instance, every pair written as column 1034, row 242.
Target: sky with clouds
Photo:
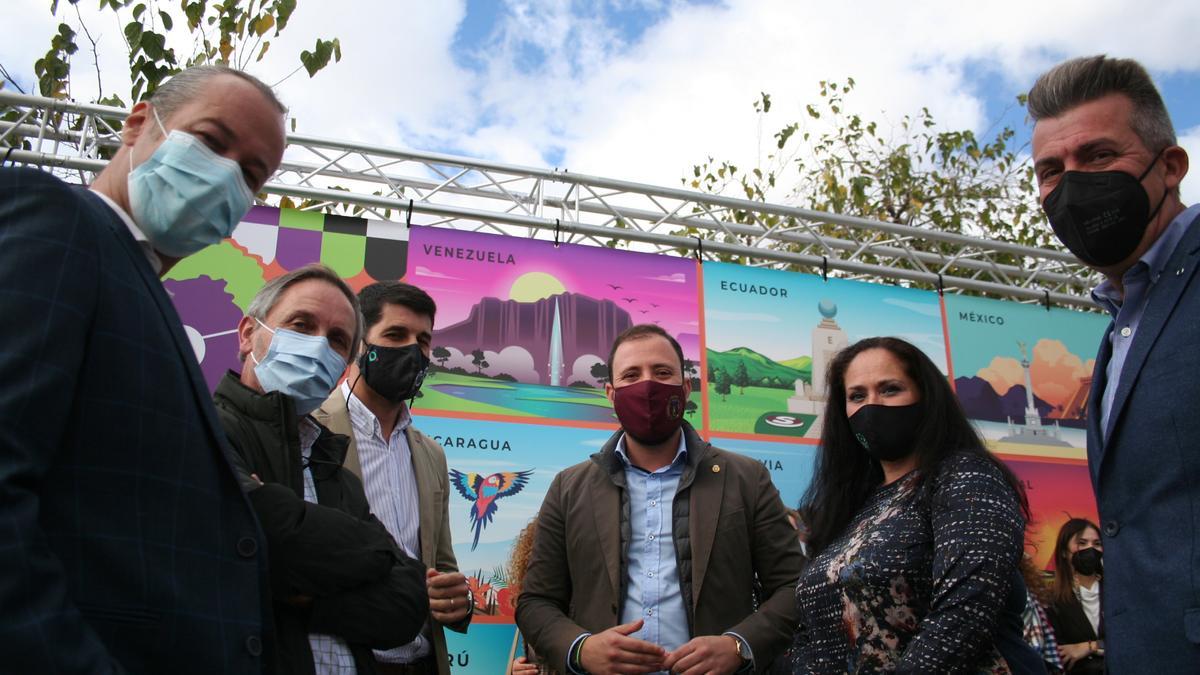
column 644, row 89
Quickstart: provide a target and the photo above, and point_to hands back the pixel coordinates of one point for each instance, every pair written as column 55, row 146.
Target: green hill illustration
column 802, row 365
column 763, row 371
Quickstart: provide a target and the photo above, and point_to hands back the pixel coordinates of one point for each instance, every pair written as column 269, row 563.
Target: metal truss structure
column 408, row 187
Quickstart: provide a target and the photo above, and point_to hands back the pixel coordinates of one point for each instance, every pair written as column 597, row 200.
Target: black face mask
column 395, row 373
column 1101, row 215
column 1088, row 561
column 887, row 432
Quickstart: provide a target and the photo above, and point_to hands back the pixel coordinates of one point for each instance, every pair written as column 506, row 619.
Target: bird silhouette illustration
column 484, row 491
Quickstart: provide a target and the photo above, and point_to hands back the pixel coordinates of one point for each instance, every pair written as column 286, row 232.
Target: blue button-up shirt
column 652, row 589
column 1127, row 311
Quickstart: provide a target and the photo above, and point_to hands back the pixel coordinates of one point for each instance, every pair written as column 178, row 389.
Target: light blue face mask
column 185, row 197
column 303, row 367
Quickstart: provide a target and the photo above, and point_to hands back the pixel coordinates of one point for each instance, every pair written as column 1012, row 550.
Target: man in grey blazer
column 403, row 470
column 661, row 551
column 1109, row 168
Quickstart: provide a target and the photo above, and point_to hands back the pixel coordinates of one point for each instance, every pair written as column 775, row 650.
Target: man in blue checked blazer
column 126, row 544
column 1109, row 168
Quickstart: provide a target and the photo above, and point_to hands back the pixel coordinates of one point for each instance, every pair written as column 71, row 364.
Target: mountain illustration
column 980, row 401
column 588, row 326
column 758, row 367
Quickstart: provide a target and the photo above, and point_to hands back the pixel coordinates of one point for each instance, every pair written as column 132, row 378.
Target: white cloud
column 676, row 278
column 423, row 271
column 556, row 80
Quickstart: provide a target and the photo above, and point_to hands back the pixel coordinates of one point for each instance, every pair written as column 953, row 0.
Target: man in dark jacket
column 340, row 585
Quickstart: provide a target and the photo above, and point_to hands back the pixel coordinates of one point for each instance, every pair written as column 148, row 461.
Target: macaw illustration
column 483, row 491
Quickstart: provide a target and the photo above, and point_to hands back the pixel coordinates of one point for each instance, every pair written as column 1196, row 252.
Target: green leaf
column 133, row 34
column 138, row 11
column 167, row 22
column 317, row 59
column 153, row 43
column 194, row 12
column 263, row 24
column 283, row 12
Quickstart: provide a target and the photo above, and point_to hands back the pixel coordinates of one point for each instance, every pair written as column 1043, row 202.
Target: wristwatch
column 737, row 646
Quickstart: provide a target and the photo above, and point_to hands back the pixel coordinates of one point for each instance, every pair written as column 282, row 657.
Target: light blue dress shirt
column 652, row 589
column 1138, row 281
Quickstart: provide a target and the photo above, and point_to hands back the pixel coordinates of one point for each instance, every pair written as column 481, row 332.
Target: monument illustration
column 828, row 339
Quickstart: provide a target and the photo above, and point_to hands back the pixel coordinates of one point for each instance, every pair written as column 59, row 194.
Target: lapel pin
column 716, row 468
column 1179, row 272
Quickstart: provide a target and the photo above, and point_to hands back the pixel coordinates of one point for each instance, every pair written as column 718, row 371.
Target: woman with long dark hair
column 915, row 529
column 1075, row 599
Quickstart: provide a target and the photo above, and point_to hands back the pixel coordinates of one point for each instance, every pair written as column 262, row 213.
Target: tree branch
column 95, row 51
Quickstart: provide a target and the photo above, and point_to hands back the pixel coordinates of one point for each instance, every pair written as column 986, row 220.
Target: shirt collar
column 680, row 454
column 1153, row 261
column 364, row 420
column 309, row 432
column 138, row 235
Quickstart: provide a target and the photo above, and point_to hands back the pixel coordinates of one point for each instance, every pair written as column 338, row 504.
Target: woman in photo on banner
column 1075, row 608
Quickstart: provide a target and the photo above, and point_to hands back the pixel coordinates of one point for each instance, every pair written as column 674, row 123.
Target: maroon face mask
column 649, row 411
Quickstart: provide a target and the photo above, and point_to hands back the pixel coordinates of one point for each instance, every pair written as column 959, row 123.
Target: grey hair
column 1087, row 78
column 268, row 296
column 187, row 84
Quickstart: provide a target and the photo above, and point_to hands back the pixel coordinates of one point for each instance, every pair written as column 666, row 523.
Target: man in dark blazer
column 127, row 543
column 660, row 552
column 1109, row 170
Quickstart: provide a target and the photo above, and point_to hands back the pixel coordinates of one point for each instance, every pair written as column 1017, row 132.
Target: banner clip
column 941, row 284
column 1047, row 298
column 699, row 250
column 408, row 216
column 824, row 268
column 557, row 229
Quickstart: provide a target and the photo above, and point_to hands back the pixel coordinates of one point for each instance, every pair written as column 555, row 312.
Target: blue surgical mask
column 185, row 197
column 303, row 367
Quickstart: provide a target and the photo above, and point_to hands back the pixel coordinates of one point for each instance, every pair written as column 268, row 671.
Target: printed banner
column 1023, row 373
column 1057, row 491
column 522, row 338
column 524, row 327
column 790, row 464
column 770, row 336
column 499, row 474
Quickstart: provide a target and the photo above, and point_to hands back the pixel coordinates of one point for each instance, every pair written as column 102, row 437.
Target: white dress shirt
column 331, row 654
column 391, row 487
column 138, row 235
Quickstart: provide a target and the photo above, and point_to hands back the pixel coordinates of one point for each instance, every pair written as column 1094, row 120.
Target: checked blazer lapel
column 170, row 318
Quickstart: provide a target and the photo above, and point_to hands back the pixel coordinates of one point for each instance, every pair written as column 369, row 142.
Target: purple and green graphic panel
column 524, row 327
column 771, row 334
column 212, row 288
